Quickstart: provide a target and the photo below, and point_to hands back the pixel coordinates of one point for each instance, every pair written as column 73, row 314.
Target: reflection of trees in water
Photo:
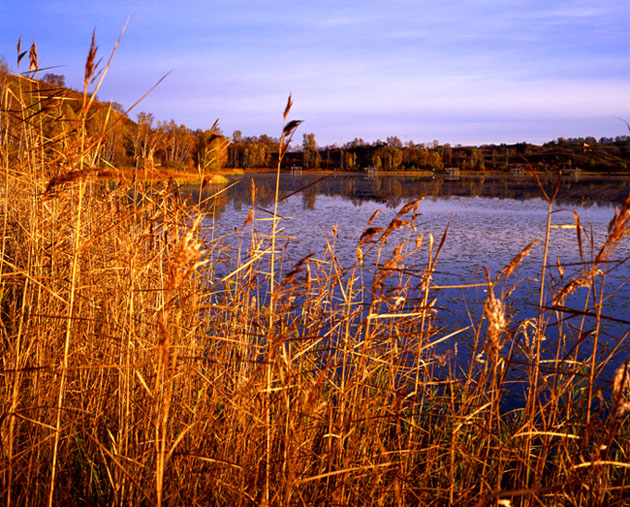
column 396, row 188
column 349, row 186
column 435, row 187
column 309, row 198
column 393, row 190
column 212, row 199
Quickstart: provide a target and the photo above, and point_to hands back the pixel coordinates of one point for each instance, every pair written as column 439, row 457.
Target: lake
column 490, row 219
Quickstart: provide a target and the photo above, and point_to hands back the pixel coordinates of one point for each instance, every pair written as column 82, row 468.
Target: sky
column 462, row 72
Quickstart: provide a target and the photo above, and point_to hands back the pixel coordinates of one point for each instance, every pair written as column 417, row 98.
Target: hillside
column 166, row 146
column 59, row 114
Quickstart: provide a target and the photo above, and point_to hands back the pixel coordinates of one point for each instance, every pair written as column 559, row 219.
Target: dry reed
column 146, row 362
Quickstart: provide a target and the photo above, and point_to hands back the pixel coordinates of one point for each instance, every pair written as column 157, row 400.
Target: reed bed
column 145, row 361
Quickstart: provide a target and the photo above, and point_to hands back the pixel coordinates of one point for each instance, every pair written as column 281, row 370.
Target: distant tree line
column 147, row 143
column 603, row 155
column 174, row 146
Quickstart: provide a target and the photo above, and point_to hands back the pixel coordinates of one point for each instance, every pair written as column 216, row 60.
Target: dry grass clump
column 146, row 362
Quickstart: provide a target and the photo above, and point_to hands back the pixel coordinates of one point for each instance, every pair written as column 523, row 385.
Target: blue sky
column 470, row 72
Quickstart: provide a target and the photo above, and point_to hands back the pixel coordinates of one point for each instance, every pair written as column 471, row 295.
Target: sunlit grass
column 145, row 361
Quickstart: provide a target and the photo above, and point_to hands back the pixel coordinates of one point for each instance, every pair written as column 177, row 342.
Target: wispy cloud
column 368, row 67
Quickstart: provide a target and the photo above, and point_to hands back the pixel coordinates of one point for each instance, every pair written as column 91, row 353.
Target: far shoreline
column 183, row 177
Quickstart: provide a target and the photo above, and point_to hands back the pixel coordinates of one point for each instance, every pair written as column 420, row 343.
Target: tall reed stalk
column 145, row 359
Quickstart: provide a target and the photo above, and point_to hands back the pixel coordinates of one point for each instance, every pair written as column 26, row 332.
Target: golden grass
column 146, row 362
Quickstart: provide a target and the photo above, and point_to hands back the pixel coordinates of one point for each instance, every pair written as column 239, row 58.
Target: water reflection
column 490, row 219
column 394, row 190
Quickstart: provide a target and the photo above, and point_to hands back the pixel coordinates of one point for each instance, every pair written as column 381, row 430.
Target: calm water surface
column 489, row 219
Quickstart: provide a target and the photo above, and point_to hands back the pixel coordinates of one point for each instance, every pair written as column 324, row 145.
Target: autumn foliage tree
column 177, row 144
column 251, row 152
column 55, row 79
column 387, row 158
column 210, row 152
column 311, row 156
column 248, row 155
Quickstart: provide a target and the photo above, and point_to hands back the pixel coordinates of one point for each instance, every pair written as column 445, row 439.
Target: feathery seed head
column 497, row 323
column 621, row 389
